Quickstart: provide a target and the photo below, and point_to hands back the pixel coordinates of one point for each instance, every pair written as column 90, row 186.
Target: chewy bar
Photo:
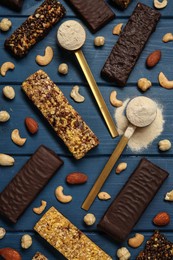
column 35, row 28
column 59, row 232
column 28, row 182
column 12, row 4
column 39, row 256
column 132, row 200
column 54, row 106
column 122, row 3
column 95, row 13
column 130, row 44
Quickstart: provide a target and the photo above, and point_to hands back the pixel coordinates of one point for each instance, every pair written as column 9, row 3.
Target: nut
column 123, row 253
column 76, row 178
column 164, row 145
column 47, row 58
column 164, row 82
column 89, row 219
column 10, row 254
column 31, row 125
column 121, row 167
column 5, row 67
column 5, row 24
column 167, row 37
column 8, row 92
column 63, row 68
column 144, row 84
column 40, row 209
column 99, row 41
column 160, row 5
column 161, row 219
column 136, row 241
column 26, row 241
column 15, row 137
column 169, row 196
column 6, row 160
column 114, row 101
column 104, row 195
column 75, row 95
column 60, row 195
column 2, row 232
column 153, row 58
column 4, row 116
column 117, row 29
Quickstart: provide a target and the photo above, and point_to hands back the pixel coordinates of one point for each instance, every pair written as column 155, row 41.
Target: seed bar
column 95, row 13
column 132, row 200
column 39, row 256
column 28, row 182
column 12, row 4
column 59, row 232
column 130, row 44
column 54, row 106
column 35, row 28
column 122, row 3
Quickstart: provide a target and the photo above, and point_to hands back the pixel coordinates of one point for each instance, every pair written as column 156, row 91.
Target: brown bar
column 12, row 4
column 122, row 3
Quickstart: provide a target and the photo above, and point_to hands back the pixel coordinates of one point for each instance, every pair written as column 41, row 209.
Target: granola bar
column 35, row 28
column 67, row 238
column 54, row 106
column 39, row 256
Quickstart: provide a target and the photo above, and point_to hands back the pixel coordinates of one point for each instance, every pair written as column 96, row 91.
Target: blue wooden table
column 93, row 162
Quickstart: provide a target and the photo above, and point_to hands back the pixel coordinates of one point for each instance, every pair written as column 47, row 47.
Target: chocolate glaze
column 12, row 4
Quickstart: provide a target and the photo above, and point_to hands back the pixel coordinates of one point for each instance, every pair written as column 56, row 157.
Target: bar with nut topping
column 64, row 119
column 58, row 231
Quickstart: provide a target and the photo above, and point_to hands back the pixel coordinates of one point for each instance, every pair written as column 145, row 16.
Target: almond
column 153, row 58
column 161, row 219
column 10, row 254
column 31, row 125
column 76, row 178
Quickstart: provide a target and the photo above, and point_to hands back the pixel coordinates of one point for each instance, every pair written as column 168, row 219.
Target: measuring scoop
column 138, row 116
column 71, row 36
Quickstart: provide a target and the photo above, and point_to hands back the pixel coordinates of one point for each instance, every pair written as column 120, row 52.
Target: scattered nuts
column 136, row 241
column 6, row 160
column 104, row 195
column 40, row 209
column 5, row 24
column 63, row 68
column 6, row 66
column 31, row 125
column 121, row 167
column 114, row 101
column 161, row 219
column 164, row 82
column 160, row 5
column 2, row 232
column 153, row 58
column 123, row 253
column 144, row 84
column 60, row 195
column 89, row 219
column 75, row 95
column 169, row 196
column 99, row 41
column 47, row 58
column 167, row 37
column 76, row 178
column 4, row 116
column 164, row 145
column 10, row 254
column 15, row 137
column 9, row 92
column 26, row 241
column 117, row 29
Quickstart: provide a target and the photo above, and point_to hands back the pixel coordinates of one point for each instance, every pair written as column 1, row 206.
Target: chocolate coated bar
column 95, row 13
column 130, row 44
column 35, row 28
column 28, row 182
column 12, row 4
column 122, row 3
column 132, row 200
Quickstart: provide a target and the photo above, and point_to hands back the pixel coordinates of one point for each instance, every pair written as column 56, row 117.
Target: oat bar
column 67, row 238
column 39, row 256
column 54, row 106
column 35, row 28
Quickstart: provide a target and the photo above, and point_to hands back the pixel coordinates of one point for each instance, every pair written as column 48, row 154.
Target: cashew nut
column 4, row 116
column 123, row 253
column 164, row 82
column 6, row 160
column 15, row 136
column 99, row 41
column 5, row 24
column 169, row 196
column 2, row 232
column 6, row 66
column 144, row 84
column 104, row 195
column 63, row 68
column 160, row 5
column 136, row 241
column 114, row 101
column 26, row 241
column 121, row 167
column 40, row 209
column 89, row 219
column 9, row 92
column 117, row 29
column 164, row 145
column 75, row 95
column 60, row 195
column 47, row 58
column 167, row 37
